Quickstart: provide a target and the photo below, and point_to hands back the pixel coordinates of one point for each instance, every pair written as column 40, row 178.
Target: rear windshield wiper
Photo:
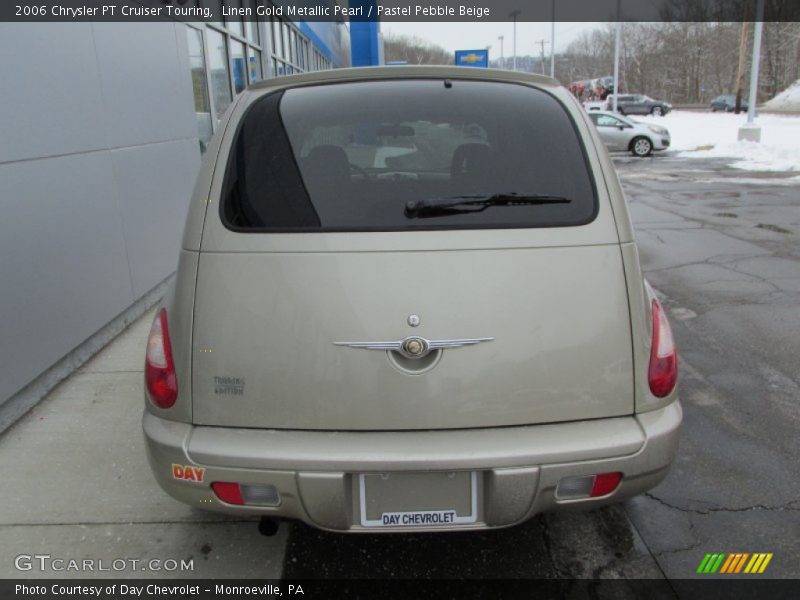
column 432, row 207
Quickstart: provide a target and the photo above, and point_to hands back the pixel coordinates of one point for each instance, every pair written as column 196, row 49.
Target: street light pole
column 553, row 43
column 502, row 56
column 514, row 14
column 541, row 55
column 751, row 131
column 616, row 58
column 751, row 103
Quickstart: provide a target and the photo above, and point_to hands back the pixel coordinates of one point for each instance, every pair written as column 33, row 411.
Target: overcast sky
column 471, row 36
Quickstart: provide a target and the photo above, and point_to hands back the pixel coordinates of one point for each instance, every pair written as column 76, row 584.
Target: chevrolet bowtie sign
column 472, row 58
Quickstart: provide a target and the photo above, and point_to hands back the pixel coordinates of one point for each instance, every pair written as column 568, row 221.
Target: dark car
column 726, row 102
column 637, row 104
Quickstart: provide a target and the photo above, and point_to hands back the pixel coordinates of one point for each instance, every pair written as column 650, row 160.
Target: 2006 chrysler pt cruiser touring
column 408, row 298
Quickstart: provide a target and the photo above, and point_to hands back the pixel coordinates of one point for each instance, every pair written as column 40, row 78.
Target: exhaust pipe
column 268, row 526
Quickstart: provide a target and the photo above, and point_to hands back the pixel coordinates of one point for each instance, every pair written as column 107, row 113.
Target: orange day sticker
column 187, row 473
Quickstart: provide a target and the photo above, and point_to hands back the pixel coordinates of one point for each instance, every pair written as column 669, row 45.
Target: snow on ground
column 787, row 101
column 714, row 135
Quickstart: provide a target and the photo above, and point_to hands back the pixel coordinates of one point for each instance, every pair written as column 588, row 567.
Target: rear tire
column 641, row 147
column 657, row 112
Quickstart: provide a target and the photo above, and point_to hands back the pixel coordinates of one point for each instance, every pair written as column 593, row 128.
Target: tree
column 414, row 51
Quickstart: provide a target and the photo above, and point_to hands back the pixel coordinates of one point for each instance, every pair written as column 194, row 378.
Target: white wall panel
column 63, row 265
column 98, row 155
column 49, row 91
column 154, row 183
column 147, row 95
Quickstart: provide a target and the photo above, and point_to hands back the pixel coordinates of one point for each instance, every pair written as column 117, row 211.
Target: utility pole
column 616, row 56
column 754, row 67
column 751, row 131
column 553, row 43
column 616, row 65
column 542, row 43
column 742, row 63
column 514, row 14
column 502, row 56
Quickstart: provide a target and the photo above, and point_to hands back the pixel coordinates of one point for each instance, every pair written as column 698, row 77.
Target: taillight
column 588, row 486
column 228, row 492
column 663, row 371
column 159, row 368
column 605, row 483
column 251, row 494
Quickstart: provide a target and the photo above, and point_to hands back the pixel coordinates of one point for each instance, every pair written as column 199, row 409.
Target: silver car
column 623, row 134
column 408, row 299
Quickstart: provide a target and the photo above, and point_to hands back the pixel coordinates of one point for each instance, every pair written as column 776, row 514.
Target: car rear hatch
column 314, row 265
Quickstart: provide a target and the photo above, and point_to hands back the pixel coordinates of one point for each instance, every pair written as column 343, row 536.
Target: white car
column 593, row 105
column 621, row 134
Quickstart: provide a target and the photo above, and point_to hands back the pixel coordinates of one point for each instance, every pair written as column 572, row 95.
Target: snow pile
column 787, row 101
column 714, row 135
column 752, row 156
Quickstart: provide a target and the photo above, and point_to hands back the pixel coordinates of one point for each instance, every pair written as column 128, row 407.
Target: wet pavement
column 721, row 246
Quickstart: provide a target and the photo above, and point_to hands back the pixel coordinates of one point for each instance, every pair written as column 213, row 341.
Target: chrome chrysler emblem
column 414, row 346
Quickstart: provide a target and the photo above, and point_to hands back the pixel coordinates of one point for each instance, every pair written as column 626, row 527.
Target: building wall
column 367, row 43
column 97, row 159
column 101, row 126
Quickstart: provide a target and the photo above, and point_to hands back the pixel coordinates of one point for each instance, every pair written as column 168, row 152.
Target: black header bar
column 398, row 10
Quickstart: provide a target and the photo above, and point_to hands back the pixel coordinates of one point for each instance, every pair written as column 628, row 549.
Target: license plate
column 440, row 499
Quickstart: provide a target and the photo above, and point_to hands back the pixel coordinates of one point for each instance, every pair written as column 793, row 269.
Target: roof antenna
column 448, row 84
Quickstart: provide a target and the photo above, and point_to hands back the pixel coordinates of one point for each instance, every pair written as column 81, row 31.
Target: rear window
column 352, row 156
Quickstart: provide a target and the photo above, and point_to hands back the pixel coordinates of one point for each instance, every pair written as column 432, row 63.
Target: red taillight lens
column 663, row 371
column 159, row 368
column 228, row 492
column 605, row 483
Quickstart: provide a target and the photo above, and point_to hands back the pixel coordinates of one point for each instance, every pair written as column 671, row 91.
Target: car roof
column 405, row 72
column 609, row 113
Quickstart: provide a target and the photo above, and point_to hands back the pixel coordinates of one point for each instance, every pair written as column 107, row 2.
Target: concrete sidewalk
column 76, row 485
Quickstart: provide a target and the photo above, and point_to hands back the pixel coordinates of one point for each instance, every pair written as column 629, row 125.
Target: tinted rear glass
column 350, row 156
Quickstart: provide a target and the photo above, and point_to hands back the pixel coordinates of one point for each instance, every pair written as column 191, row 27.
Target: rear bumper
column 517, row 468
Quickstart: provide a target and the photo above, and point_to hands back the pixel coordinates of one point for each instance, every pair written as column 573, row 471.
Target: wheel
column 657, row 112
column 713, row 109
column 641, row 147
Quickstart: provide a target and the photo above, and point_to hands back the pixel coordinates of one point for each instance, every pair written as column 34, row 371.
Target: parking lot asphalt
column 720, row 245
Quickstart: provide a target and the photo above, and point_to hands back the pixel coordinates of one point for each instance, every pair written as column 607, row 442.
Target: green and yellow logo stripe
column 734, row 562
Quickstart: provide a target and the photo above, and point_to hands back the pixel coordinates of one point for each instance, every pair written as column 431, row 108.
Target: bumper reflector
column 261, row 495
column 246, row 494
column 605, row 483
column 587, row 486
column 228, row 492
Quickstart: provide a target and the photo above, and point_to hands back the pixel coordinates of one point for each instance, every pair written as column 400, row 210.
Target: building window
column 292, row 51
column 220, row 74
column 238, row 66
column 252, row 25
column 254, row 64
column 233, row 53
column 202, row 106
column 227, row 55
column 234, row 23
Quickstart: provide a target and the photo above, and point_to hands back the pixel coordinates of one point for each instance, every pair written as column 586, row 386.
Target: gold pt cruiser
column 408, row 299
